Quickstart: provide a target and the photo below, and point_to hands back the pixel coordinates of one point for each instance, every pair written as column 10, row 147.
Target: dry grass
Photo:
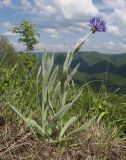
column 97, row 143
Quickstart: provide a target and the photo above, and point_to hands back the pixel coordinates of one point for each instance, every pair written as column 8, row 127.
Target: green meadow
column 50, row 110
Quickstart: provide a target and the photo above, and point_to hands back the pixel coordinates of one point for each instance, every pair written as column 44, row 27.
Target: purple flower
column 97, row 24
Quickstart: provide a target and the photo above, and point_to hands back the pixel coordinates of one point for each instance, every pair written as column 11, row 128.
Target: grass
column 103, row 140
column 98, row 142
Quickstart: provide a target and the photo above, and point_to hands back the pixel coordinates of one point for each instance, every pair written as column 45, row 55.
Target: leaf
column 37, row 82
column 52, row 79
column 59, row 115
column 19, row 114
column 30, row 122
column 83, row 127
column 63, row 98
column 100, row 117
column 39, row 71
column 72, row 73
column 57, row 92
column 67, row 125
column 47, row 64
column 66, row 62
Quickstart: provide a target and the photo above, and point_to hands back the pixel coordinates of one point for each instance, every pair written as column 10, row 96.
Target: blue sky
column 62, row 22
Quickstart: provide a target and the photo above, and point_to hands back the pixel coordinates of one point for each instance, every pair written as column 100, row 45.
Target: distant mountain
column 94, row 57
column 111, row 68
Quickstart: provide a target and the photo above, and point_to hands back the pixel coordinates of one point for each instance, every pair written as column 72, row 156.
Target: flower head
column 97, row 24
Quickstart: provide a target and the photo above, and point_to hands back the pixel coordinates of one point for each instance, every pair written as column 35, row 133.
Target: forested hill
column 98, row 66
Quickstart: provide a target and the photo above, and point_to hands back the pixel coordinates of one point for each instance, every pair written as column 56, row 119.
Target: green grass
column 103, row 140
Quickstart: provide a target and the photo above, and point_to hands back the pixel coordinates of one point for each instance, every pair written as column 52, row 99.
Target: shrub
column 7, row 52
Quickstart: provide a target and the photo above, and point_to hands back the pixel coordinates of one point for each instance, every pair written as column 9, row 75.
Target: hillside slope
column 110, row 68
column 94, row 66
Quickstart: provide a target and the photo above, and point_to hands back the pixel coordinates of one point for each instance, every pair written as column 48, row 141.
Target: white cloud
column 115, row 16
column 118, row 14
column 6, row 3
column 40, row 47
column 61, row 8
column 110, row 44
column 26, row 4
column 57, row 47
column 118, row 46
column 52, row 32
column 71, row 9
column 121, row 14
column 121, row 4
column 9, row 33
column 114, row 30
column 66, row 15
column 122, row 45
column 61, row 18
column 18, row 46
column 43, row 7
column 6, row 25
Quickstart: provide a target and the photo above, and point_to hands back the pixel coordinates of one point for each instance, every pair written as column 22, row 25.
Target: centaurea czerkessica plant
column 53, row 105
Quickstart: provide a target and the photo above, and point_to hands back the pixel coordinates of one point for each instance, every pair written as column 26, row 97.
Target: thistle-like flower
column 97, row 24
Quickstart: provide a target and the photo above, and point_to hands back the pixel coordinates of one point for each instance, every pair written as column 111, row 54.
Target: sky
column 62, row 22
